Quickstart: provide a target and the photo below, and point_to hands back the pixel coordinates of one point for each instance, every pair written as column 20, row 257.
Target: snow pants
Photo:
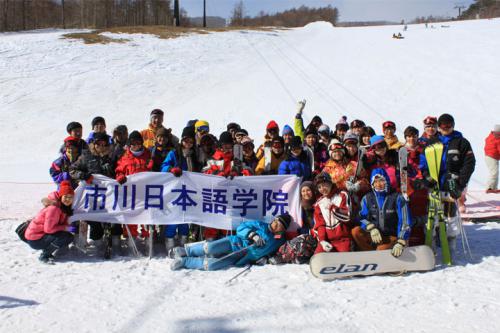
column 492, row 165
column 172, row 229
column 221, row 250
column 364, row 241
column 52, row 241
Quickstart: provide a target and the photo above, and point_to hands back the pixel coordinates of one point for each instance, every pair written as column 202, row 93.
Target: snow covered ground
column 249, row 77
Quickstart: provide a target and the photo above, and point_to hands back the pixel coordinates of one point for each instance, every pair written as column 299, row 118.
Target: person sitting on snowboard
column 253, row 241
column 384, row 217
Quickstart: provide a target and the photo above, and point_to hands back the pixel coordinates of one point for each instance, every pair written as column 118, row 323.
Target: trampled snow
column 249, row 77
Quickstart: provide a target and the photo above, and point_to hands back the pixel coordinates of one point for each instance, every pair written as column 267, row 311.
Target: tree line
column 296, row 17
column 482, row 9
column 37, row 14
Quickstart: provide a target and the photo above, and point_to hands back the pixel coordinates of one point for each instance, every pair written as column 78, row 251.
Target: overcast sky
column 350, row 10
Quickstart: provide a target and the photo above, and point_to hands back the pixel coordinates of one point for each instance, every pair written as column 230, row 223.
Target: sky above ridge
column 350, row 10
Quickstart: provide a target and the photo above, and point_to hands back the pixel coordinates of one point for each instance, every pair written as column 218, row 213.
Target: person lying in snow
column 253, row 241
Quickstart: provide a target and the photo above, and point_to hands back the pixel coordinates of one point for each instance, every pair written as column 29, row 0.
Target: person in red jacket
column 331, row 216
column 48, row 231
column 492, row 152
column 135, row 159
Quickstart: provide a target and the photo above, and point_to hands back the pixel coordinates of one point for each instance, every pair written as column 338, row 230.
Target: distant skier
column 492, row 155
column 253, row 241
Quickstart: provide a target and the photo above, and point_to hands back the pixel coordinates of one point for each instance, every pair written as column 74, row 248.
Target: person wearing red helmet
column 272, row 132
column 430, row 131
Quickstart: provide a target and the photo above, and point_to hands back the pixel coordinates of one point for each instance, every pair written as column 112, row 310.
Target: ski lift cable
column 292, row 98
column 332, row 79
column 309, row 80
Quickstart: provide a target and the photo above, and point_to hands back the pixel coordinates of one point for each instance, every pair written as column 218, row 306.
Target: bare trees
column 296, row 17
column 34, row 14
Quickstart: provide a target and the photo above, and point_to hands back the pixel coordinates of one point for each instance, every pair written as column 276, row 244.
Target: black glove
column 455, row 192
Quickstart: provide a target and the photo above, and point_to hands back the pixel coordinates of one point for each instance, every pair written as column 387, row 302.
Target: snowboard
column 335, row 265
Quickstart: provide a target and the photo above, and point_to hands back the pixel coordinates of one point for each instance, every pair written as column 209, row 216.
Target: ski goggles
column 203, row 129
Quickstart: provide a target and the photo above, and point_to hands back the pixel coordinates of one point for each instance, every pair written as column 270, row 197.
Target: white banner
column 212, row 201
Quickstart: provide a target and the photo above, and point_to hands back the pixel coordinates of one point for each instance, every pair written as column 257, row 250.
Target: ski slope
column 249, row 77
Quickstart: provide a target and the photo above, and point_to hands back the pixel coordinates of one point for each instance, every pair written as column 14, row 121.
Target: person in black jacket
column 98, row 159
column 457, row 165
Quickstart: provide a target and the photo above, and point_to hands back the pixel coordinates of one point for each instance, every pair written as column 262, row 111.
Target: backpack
column 297, row 250
column 21, row 230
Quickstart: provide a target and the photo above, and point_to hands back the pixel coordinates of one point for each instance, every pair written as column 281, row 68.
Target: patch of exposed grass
column 163, row 32
column 94, row 37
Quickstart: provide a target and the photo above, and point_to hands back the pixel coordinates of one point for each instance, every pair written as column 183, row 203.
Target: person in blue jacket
column 253, row 240
column 385, row 218
column 183, row 158
column 297, row 163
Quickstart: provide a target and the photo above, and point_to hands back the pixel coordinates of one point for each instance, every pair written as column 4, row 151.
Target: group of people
column 351, row 191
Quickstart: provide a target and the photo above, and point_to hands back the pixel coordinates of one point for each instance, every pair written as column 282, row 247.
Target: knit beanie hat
column 272, row 125
column 188, row 132
column 446, row 118
column 241, row 131
column 357, row 123
column 317, row 119
column 430, row 121
column 156, row 112
column 351, row 137
column 163, row 132
column 234, row 126
column 388, row 124
column 295, row 142
column 135, row 136
column 65, row 188
column 324, row 129
column 101, row 137
column 225, row 138
column 98, row 120
column 285, row 220
column 280, row 140
column 310, row 130
column 342, row 127
column 343, row 120
column 287, row 130
column 73, row 125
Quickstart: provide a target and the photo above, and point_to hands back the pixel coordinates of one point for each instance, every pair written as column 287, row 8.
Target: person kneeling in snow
column 385, row 218
column 253, row 240
column 48, row 231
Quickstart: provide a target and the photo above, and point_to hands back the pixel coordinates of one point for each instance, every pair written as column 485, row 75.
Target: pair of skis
column 433, row 156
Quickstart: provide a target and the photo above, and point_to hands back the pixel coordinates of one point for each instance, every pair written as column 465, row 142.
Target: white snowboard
column 334, row 265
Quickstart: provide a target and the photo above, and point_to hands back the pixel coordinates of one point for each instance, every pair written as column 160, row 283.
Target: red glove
column 89, row 180
column 177, row 172
column 121, row 179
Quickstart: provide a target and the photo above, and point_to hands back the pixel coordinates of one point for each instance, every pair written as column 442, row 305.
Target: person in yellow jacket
column 389, row 128
column 156, row 123
column 271, row 165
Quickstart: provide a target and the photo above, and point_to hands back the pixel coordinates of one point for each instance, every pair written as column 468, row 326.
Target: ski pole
column 246, row 268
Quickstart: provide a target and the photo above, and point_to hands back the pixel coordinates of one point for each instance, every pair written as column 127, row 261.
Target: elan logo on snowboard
column 344, row 268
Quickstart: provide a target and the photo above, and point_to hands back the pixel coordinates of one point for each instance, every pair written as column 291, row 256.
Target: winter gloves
column 455, row 192
column 257, row 240
column 177, row 172
column 398, row 248
column 374, row 233
column 121, row 179
column 300, row 108
column 352, row 187
column 326, row 246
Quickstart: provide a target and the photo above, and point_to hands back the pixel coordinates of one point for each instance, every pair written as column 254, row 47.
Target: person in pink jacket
column 48, row 231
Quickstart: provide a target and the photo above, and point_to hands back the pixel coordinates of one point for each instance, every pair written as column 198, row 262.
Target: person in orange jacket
column 492, row 155
column 155, row 124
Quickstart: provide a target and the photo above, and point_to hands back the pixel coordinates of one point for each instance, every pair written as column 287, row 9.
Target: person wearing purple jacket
column 59, row 170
